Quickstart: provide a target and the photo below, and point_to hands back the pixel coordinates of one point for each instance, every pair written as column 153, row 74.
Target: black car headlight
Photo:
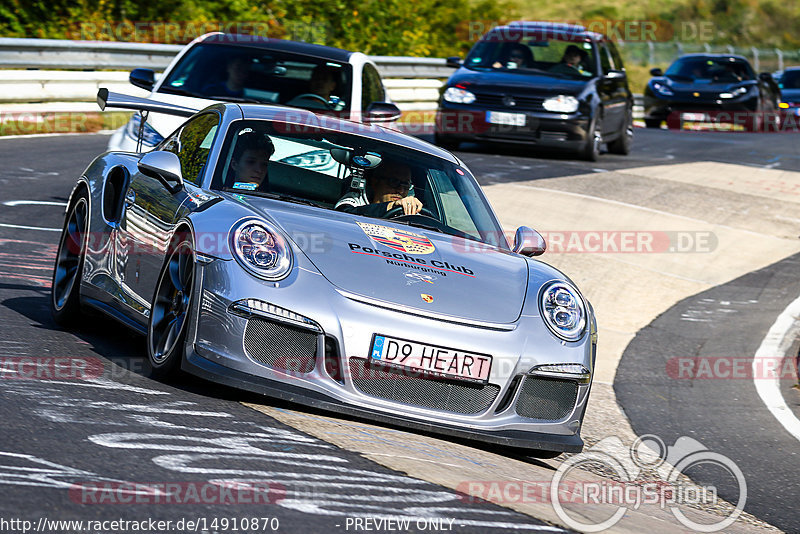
column 739, row 91
column 150, row 136
column 561, row 104
column 563, row 310
column 261, row 250
column 458, row 96
column 662, row 89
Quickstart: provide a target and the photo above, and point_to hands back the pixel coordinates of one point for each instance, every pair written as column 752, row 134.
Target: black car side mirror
column 454, row 61
column 656, row 72
column 615, row 75
column 381, row 112
column 163, row 166
column 144, row 78
column 529, row 242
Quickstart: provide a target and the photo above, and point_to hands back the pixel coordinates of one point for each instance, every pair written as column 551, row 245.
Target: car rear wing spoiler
column 107, row 99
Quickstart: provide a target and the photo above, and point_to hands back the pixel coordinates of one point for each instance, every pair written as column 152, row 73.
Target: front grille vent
column 546, row 399
column 434, row 393
column 280, row 346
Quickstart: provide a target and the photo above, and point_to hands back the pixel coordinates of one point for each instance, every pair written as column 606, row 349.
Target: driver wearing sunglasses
column 390, row 186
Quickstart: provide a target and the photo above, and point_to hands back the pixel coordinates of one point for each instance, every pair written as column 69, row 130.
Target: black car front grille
column 521, row 103
column 546, row 399
column 433, row 393
column 280, row 346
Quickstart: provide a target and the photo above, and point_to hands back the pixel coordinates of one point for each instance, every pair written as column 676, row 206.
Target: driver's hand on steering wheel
column 410, row 205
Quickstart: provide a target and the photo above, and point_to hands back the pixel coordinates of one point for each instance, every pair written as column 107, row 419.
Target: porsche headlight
column 563, row 310
column 561, row 104
column 261, row 250
column 662, row 89
column 459, row 96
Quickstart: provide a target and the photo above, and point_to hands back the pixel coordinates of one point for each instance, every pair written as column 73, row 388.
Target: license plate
column 509, row 119
column 430, row 359
column 694, row 117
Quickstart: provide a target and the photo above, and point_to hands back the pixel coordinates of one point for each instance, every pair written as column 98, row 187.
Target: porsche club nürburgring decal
column 400, row 240
column 407, row 247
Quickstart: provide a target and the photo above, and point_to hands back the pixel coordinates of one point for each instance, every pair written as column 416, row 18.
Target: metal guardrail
column 101, row 55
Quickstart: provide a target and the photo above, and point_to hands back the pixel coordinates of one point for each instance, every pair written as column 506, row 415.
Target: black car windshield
column 710, row 70
column 247, row 74
column 790, row 79
column 321, row 167
column 550, row 54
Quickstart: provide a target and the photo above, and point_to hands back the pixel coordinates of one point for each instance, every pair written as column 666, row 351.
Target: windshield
column 320, row 167
column 241, row 73
column 551, row 54
column 790, row 80
column 710, row 70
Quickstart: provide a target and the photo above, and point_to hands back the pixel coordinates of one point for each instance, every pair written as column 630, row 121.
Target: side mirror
column 615, row 75
column 454, row 61
column 382, row 112
column 656, row 72
column 165, row 167
column 144, row 78
column 528, row 242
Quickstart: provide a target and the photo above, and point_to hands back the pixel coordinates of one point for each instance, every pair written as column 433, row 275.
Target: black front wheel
column 65, row 289
column 169, row 313
column 622, row 144
column 591, row 146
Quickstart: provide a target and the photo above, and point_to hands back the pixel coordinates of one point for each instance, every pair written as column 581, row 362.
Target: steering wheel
column 397, row 212
column 312, row 96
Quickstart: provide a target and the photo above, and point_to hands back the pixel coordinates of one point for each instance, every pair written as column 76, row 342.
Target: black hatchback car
column 539, row 83
column 717, row 88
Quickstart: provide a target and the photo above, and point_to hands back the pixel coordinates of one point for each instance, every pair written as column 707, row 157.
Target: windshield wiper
column 274, row 196
column 287, row 198
column 421, row 224
column 239, row 99
column 176, row 91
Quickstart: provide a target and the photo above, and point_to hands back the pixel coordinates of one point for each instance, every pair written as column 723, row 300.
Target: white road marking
column 773, row 348
column 21, row 227
column 13, row 203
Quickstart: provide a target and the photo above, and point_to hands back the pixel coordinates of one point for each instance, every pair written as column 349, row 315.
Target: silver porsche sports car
column 257, row 247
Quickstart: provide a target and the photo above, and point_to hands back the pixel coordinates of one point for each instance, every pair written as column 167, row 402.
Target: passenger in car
column 390, row 186
column 238, row 71
column 519, row 57
column 322, row 87
column 249, row 162
column 571, row 62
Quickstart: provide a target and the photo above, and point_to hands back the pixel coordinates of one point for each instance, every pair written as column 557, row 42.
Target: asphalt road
column 105, row 443
column 721, row 408
column 125, row 433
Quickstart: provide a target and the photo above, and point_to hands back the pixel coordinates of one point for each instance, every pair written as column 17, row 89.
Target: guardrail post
column 779, row 53
column 651, row 53
column 756, row 62
column 680, row 49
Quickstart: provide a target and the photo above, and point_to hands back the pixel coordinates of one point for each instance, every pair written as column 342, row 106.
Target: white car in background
column 277, row 72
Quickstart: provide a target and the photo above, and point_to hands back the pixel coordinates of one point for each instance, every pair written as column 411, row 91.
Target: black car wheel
column 652, row 123
column 169, row 313
column 622, row 144
column 591, row 147
column 65, row 289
